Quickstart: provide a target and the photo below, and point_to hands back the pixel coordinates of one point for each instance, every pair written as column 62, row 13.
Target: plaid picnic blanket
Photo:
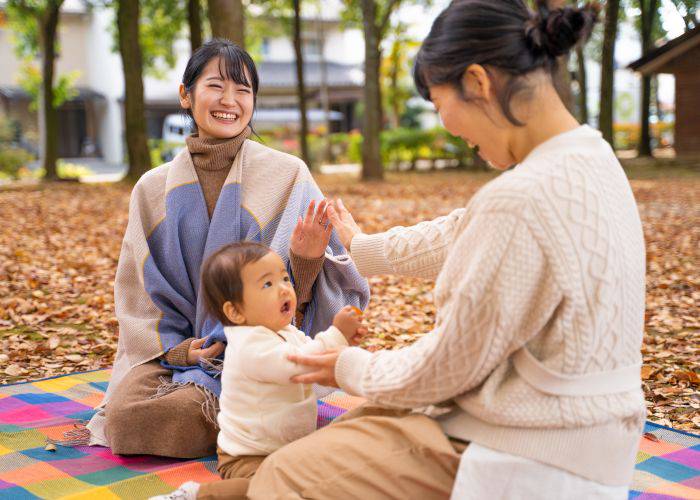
column 668, row 461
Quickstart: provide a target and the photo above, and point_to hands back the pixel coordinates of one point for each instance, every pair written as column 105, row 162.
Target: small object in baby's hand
column 356, row 310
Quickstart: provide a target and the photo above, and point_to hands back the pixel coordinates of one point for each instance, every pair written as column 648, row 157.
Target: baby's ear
column 233, row 313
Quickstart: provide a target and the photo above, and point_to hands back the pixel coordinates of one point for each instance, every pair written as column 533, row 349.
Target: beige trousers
column 235, row 472
column 172, row 425
column 368, row 453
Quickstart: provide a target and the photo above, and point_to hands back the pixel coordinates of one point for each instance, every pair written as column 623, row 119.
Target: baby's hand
column 349, row 322
column 312, row 234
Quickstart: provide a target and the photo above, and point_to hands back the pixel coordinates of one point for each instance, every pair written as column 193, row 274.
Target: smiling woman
column 219, row 90
column 221, row 189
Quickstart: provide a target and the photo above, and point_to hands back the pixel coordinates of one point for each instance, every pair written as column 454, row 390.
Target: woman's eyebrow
column 214, row 78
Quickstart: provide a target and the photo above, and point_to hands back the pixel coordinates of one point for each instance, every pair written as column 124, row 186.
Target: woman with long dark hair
column 531, row 374
column 221, row 188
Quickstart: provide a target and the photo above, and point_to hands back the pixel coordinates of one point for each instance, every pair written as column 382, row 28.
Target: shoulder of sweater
column 510, row 192
column 584, row 152
column 150, row 186
column 259, row 153
column 154, row 177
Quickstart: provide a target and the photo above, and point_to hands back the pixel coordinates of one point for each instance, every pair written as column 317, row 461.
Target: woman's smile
column 225, row 117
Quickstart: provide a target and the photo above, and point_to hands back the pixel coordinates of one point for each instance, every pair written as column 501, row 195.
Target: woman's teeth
column 225, row 116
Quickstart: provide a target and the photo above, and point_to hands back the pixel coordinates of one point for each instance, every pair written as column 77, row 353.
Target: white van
column 176, row 127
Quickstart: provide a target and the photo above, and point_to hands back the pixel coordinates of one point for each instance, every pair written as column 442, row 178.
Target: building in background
column 92, row 124
column 678, row 57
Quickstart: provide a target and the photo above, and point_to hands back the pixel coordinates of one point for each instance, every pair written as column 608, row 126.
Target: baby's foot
column 186, row 491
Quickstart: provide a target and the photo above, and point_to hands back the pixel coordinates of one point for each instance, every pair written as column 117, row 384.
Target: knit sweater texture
column 548, row 256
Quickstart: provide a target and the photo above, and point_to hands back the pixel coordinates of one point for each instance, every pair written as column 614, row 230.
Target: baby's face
column 268, row 295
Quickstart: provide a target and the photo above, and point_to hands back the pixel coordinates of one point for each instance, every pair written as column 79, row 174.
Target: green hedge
column 13, row 160
column 408, row 146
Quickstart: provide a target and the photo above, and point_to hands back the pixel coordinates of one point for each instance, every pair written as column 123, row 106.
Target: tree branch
column 384, row 23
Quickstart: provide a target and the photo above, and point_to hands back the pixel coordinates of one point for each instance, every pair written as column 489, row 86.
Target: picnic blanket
column 668, row 461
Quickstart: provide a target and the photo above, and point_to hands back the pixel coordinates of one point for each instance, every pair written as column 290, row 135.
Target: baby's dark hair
column 501, row 34
column 221, row 275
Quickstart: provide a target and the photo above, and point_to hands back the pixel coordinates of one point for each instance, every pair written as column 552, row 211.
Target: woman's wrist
column 367, row 252
column 350, row 369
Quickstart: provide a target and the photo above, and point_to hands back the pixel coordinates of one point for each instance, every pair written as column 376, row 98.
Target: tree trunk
column 227, row 20
column 194, row 19
column 323, row 85
column 372, row 167
column 648, row 12
column 644, row 147
column 395, row 61
column 134, row 109
column 301, row 88
column 583, row 85
column 48, row 115
column 607, row 78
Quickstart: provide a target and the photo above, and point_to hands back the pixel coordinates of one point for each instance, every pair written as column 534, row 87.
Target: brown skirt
column 172, row 425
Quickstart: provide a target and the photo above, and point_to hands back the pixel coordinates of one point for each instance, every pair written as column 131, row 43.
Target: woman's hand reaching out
column 312, row 233
column 321, row 368
column 343, row 223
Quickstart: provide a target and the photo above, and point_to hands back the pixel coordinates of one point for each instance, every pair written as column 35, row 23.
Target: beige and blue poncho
column 169, row 234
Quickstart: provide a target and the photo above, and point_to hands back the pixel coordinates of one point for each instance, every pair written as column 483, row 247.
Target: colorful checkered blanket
column 668, row 461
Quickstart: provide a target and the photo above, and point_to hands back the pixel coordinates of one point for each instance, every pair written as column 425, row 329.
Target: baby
column 247, row 288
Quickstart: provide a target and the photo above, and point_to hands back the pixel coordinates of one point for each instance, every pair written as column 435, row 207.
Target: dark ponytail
column 501, row 34
column 556, row 32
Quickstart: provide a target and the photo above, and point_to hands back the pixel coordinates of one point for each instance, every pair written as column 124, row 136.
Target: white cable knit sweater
column 549, row 256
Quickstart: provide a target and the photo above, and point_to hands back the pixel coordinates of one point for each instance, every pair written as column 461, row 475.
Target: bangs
column 232, row 66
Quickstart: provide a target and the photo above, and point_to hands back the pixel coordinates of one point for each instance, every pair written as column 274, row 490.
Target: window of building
column 311, row 47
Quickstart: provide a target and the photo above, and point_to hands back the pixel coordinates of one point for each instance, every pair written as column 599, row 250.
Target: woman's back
column 571, row 290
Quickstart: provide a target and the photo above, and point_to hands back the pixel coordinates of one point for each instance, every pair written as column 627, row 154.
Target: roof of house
column 15, row 93
column 656, row 58
column 283, row 74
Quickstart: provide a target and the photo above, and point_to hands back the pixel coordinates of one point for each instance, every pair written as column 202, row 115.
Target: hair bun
column 555, row 32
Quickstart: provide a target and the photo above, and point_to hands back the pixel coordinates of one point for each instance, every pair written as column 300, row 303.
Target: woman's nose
column 228, row 97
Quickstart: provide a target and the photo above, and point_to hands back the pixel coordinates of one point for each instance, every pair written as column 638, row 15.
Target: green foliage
column 627, row 135
column 30, row 80
column 689, row 10
column 7, row 130
column 162, row 24
column 13, row 160
column 24, row 26
column 397, row 86
column 65, row 171
column 162, row 151
column 404, row 145
column 352, row 14
column 400, row 147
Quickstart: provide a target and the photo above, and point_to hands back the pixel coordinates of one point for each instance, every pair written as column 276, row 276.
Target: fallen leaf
column 13, row 370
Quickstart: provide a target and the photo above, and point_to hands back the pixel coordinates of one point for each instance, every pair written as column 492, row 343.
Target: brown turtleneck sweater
column 212, row 160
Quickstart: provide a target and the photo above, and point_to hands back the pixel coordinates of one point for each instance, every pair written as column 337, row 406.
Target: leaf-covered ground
column 59, row 247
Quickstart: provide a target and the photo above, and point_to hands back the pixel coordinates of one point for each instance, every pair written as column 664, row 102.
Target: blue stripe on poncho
column 181, row 242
